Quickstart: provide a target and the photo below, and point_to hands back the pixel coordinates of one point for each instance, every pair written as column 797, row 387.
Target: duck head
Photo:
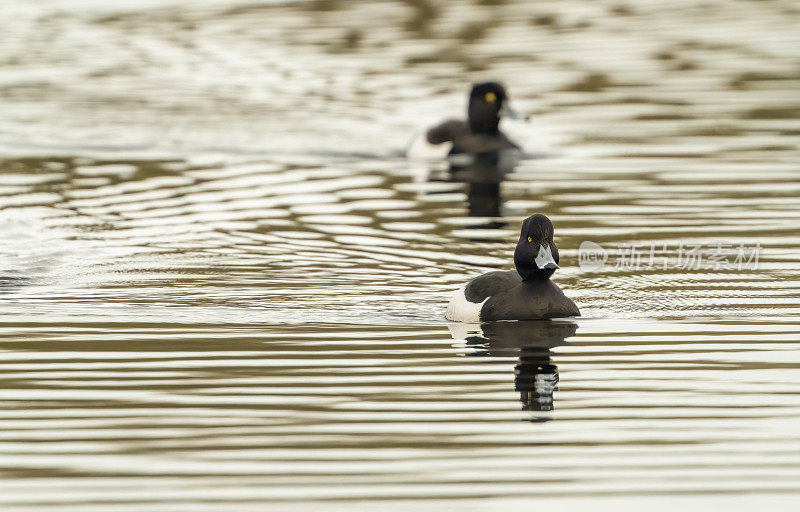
column 486, row 105
column 536, row 255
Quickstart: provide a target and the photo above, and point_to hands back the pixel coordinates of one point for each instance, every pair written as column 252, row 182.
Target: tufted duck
column 524, row 294
column 480, row 133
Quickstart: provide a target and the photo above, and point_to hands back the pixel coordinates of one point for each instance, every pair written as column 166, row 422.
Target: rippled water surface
column 223, row 283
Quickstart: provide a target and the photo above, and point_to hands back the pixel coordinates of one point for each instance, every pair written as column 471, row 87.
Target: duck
column 480, row 133
column 526, row 293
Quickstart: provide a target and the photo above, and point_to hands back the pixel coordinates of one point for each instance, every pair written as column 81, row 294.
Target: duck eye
column 490, row 97
column 530, row 239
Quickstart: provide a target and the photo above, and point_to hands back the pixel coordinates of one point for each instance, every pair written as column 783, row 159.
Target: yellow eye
column 530, row 239
column 490, row 97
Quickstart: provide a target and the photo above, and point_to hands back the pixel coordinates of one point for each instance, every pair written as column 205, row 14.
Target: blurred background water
column 223, row 283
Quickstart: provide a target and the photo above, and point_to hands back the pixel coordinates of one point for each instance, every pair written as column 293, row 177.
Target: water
column 223, row 284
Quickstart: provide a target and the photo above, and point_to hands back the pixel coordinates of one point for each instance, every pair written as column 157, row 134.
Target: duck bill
column 509, row 112
column 544, row 260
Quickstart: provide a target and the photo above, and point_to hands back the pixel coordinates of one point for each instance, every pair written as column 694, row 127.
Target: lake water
column 223, row 283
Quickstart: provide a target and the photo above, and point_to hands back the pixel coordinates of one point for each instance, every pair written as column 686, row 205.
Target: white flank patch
column 461, row 310
column 419, row 148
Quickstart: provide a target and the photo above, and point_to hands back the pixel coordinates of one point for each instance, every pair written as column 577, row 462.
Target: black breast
column 466, row 141
column 529, row 300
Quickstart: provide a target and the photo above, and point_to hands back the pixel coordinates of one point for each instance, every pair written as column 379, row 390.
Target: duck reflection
column 535, row 375
column 483, row 174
